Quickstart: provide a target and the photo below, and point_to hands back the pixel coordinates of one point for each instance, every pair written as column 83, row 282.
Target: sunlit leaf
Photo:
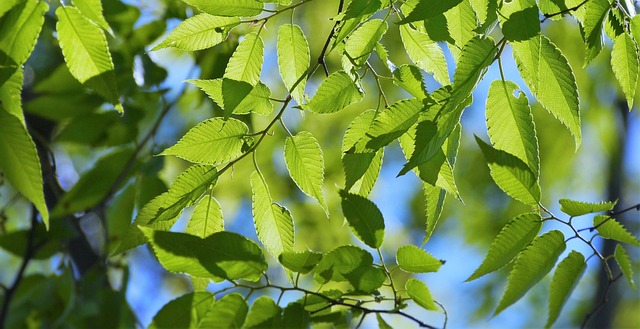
column 305, row 162
column 595, row 14
column 578, row 208
column 92, row 9
column 461, row 23
column 295, row 317
column 424, row 9
column 624, row 63
column 341, row 261
column 183, row 312
column 293, row 59
column 241, row 98
column 227, row 7
column 206, row 218
column 623, row 260
column 565, row 279
column 420, row 294
column 364, row 217
column 300, row 262
column 229, row 312
column 364, row 39
column 356, row 12
column 199, row 32
column 410, row 79
column 415, row 260
column 264, row 313
column 335, row 93
column 393, row 122
column 425, row 53
column 246, row 62
column 609, row 228
column 20, row 30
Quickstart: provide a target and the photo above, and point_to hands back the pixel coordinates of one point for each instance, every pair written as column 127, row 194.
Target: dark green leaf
column 564, row 281
column 300, row 262
column 229, row 312
column 183, row 312
column 364, row 217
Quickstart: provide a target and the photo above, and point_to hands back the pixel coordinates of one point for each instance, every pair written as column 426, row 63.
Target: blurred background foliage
column 64, row 287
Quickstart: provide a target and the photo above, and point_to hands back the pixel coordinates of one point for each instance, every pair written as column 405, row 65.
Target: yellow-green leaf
column 293, row 59
column 565, row 279
column 578, row 208
column 415, row 260
column 624, row 63
column 336, row 92
column 228, row 7
column 305, row 162
column 609, row 228
column 362, row 41
column 425, row 53
column 623, row 260
column 420, row 294
column 206, row 218
column 92, row 9
column 246, row 62
column 199, row 32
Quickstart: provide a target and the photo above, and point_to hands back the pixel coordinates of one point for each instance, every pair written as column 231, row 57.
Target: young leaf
column 513, row 237
column 461, row 23
column 356, row 12
column 511, row 174
column 409, row 78
column 227, row 7
column 609, row 228
column 305, row 163
column 264, row 313
column 246, row 62
column 229, row 312
column 623, row 260
column 425, row 53
column 213, row 141
column 624, row 63
column 183, row 312
column 19, row 33
column 273, row 222
column 394, row 122
column 241, row 97
column 531, row 266
column 20, row 162
column 424, row 9
column 579, row 208
column 221, row 255
column 293, row 59
column 335, row 93
column 300, row 262
column 199, row 32
column 92, row 9
column 595, row 14
column 548, row 74
column 86, row 52
column 565, row 279
column 362, row 41
column 434, row 203
column 420, row 294
column 415, row 260
column 364, row 217
column 510, row 123
column 206, row 218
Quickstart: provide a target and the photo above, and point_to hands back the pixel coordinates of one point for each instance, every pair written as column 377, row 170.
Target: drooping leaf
column 565, row 279
column 511, row 174
column 293, row 59
column 364, row 217
column 595, row 14
column 394, row 122
column 578, row 208
column 229, row 312
column 510, row 124
column 425, row 53
column 92, row 9
column 305, row 162
column 424, row 9
column 241, row 98
column 20, row 162
column 634, row 26
column 434, row 203
column 623, row 260
column 532, row 264
column 461, row 23
column 420, row 294
column 264, row 313
column 336, row 92
column 206, row 218
column 223, row 255
column 199, row 32
column 364, row 39
column 227, row 7
column 212, row 141
column 273, row 222
column 183, row 312
column 246, row 62
column 624, row 63
column 409, row 78
column 19, row 32
column 86, row 52
column 550, row 78
column 609, row 228
column 513, row 237
column 415, row 260
column 300, row 262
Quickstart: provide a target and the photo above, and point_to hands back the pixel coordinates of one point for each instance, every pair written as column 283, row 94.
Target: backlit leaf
column 623, row 260
column 246, row 62
column 293, row 59
column 364, row 217
column 609, row 228
column 356, row 12
column 335, row 93
column 20, row 30
column 425, row 53
column 624, row 63
column 393, row 122
column 363, row 40
column 565, row 279
column 264, row 313
column 300, row 262
column 341, row 261
column 424, row 9
column 409, row 78
column 415, row 260
column 199, row 32
column 206, row 218
column 420, row 294
column 227, row 7
column 92, row 9
column 305, row 163
column 183, row 312
column 595, row 14
column 578, row 208
column 241, row 97
column 461, row 23
column 229, row 312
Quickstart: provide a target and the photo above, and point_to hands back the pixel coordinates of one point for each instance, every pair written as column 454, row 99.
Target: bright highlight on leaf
column 293, row 59
column 579, row 208
column 624, row 63
column 336, row 92
column 565, row 279
column 362, row 41
column 20, row 32
column 415, row 260
column 206, row 218
column 420, row 294
column 305, row 163
column 246, row 62
column 227, row 7
column 425, row 53
column 199, row 32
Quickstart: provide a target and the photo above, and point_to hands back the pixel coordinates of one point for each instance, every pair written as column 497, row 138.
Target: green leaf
column 510, row 124
column 549, row 77
column 20, row 30
column 420, row 294
column 364, row 217
column 394, row 122
column 20, row 162
column 305, row 162
column 362, row 41
column 409, row 78
column 227, row 7
column 361, row 171
column 92, row 9
column 241, row 98
column 229, row 312
column 7, row 5
column 579, row 208
column 434, row 203
column 295, row 317
column 424, row 9
column 523, row 23
column 481, row 8
column 532, row 264
column 221, row 255
column 357, row 130
column 356, row 12
column 624, row 63
column 273, row 222
column 213, row 141
column 183, row 312
column 11, row 94
column 366, row 279
column 513, row 237
column 206, row 218
column 336, row 92
column 623, row 260
column 341, row 261
column 293, row 59
column 86, row 52
column 264, row 313
column 595, row 14
column 415, row 260
column 461, row 23
column 300, row 262
column 634, row 26
column 565, row 279
column 246, row 62
column 382, row 324
column 511, row 174
column 425, row 53
column 199, row 32
column 609, row 228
